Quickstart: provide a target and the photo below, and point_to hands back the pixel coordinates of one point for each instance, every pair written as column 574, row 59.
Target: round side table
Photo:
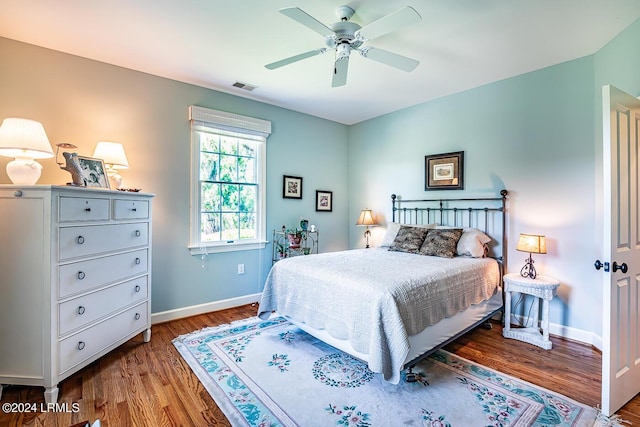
column 543, row 288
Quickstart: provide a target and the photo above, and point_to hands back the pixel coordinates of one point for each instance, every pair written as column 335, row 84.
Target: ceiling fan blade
column 307, row 20
column 392, row 22
column 295, row 58
column 389, row 58
column 340, row 72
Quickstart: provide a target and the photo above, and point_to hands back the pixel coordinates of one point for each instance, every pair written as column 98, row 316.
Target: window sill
column 230, row 247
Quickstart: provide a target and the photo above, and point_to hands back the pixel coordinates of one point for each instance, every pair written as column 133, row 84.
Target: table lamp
column 534, row 244
column 112, row 153
column 24, row 140
column 366, row 219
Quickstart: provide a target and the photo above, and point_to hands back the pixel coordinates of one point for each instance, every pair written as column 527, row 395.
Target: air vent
column 244, row 86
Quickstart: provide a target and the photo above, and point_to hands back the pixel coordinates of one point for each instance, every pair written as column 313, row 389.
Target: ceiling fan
column 345, row 36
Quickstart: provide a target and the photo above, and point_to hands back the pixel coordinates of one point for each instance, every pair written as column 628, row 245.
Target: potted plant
column 295, row 238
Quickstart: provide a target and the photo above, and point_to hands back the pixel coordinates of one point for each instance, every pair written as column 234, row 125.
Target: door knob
column 622, row 267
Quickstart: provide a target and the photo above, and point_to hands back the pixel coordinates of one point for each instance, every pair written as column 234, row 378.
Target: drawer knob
column 18, row 193
column 80, row 240
column 81, row 310
column 138, row 233
column 87, row 209
column 81, row 345
column 81, row 275
column 133, row 209
column 137, row 316
column 137, row 288
column 138, row 261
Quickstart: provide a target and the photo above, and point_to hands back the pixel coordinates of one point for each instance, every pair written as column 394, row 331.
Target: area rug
column 270, row 373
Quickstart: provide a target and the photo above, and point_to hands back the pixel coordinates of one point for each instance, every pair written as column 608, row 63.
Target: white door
column 621, row 250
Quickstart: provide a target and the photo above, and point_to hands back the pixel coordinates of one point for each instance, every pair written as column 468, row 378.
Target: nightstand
column 543, row 288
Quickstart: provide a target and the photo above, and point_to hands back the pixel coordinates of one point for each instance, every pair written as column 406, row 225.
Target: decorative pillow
column 409, row 239
column 472, row 243
column 392, row 231
column 441, row 242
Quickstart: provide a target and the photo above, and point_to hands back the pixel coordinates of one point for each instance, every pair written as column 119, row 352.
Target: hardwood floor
column 149, row 384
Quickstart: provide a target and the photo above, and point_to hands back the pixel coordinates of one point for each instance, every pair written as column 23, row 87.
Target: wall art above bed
column 444, row 171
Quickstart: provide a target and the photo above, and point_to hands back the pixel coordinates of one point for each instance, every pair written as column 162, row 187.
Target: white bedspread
column 376, row 298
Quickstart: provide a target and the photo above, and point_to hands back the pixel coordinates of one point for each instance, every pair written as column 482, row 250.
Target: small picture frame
column 291, row 187
column 444, row 171
column 324, row 201
column 93, row 172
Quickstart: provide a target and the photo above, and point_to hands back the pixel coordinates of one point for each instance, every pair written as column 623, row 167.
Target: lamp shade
column 366, row 218
column 532, row 243
column 112, row 153
column 24, row 138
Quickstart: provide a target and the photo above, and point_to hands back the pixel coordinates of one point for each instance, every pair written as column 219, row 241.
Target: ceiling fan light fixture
column 344, row 36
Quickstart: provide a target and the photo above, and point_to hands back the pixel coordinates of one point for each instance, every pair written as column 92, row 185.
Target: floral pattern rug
column 270, row 373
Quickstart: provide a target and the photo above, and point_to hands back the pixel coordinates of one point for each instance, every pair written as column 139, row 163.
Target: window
column 228, row 160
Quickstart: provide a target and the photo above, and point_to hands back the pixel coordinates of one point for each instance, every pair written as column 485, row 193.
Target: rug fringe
column 221, row 326
column 613, row 421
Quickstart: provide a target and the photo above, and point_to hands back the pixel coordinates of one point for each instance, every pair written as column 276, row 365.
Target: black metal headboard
column 487, row 214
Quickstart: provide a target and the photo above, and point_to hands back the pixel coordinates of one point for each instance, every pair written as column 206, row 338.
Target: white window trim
column 234, row 123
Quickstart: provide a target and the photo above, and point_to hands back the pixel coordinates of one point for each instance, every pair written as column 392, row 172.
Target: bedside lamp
column 112, row 153
column 534, row 244
column 366, row 219
column 24, row 140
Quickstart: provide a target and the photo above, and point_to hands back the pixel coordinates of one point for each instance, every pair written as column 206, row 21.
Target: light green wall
column 83, row 101
column 532, row 135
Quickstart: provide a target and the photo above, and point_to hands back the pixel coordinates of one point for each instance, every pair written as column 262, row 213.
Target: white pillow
column 472, row 243
column 392, row 231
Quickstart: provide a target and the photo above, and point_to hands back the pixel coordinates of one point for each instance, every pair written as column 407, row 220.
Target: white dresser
column 75, row 279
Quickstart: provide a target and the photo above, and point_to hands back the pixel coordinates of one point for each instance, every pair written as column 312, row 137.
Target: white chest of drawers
column 75, row 279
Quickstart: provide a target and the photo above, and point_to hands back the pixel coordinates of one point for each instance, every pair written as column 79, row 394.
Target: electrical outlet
column 240, row 268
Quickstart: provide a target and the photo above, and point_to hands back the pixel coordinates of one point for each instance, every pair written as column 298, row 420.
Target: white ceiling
column 213, row 43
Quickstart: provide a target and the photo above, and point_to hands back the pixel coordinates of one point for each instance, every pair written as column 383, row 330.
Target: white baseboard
column 580, row 335
column 179, row 313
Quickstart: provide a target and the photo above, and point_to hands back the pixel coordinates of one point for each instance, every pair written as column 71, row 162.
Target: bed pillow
column 392, row 231
column 409, row 239
column 390, row 234
column 441, row 242
column 473, row 243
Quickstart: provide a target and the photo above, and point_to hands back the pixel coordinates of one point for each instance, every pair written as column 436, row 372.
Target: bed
column 393, row 305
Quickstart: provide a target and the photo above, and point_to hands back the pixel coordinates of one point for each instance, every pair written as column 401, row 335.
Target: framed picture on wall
column 324, row 201
column 93, row 172
column 444, row 171
column 292, row 187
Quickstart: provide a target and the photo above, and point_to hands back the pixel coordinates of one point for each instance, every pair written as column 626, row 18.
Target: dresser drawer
column 83, row 276
column 81, row 311
column 76, row 242
column 83, row 209
column 85, row 344
column 130, row 209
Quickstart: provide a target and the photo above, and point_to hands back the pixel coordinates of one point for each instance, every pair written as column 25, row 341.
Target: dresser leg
column 146, row 335
column 51, row 394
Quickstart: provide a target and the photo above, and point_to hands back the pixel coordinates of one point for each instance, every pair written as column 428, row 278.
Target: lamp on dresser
column 366, row 219
column 112, row 153
column 25, row 140
column 534, row 244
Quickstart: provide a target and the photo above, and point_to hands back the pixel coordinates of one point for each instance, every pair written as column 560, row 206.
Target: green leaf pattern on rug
column 496, row 405
column 235, row 346
column 349, row 416
column 287, row 336
column 430, row 420
column 280, row 361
